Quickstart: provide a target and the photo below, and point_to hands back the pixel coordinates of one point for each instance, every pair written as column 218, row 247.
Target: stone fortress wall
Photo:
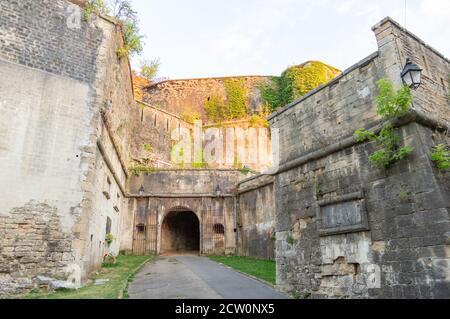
column 343, row 227
column 71, row 130
column 176, row 96
column 63, row 91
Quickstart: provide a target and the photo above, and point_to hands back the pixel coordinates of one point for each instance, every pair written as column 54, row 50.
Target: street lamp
column 411, row 74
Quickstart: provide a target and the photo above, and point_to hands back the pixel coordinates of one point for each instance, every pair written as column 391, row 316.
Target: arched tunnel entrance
column 180, row 233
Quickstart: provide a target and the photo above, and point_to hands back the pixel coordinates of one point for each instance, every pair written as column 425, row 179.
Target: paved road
column 193, row 277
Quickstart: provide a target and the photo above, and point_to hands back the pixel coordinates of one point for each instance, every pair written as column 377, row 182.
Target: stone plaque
column 344, row 214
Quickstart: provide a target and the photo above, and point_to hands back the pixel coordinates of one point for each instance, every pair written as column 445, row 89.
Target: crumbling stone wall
column 32, row 242
column 345, row 228
column 255, row 214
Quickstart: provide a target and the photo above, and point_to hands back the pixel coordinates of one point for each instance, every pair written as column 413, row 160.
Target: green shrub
column 390, row 104
column 132, row 40
column 441, row 156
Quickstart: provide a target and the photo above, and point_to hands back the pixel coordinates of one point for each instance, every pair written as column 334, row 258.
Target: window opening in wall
column 108, row 225
column 167, row 128
column 155, row 121
column 140, row 228
column 219, row 229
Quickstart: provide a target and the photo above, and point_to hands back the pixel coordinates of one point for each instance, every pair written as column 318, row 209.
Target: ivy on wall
column 391, row 104
column 236, row 100
column 233, row 106
column 295, row 82
column 215, row 108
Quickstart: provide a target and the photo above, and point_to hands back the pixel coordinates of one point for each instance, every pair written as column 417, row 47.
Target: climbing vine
column 234, row 106
column 236, row 102
column 390, row 105
column 215, row 108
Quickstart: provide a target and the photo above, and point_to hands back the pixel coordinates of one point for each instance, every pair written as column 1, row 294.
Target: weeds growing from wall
column 441, row 157
column 121, row 10
column 391, row 104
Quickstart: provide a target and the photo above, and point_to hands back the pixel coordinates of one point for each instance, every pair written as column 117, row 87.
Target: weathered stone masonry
column 63, row 160
column 339, row 221
column 70, row 129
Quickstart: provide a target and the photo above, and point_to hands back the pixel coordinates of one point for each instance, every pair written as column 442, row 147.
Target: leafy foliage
column 123, row 11
column 139, row 169
column 149, row 68
column 390, row 104
column 190, row 116
column 97, row 7
column 233, row 107
column 109, row 238
column 132, row 40
column 295, row 82
column 215, row 108
column 236, row 106
column 441, row 156
column 259, row 120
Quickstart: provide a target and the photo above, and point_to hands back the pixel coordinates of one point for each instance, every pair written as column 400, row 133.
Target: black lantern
column 411, row 74
column 141, row 190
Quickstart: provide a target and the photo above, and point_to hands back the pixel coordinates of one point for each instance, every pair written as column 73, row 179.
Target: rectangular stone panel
column 343, row 214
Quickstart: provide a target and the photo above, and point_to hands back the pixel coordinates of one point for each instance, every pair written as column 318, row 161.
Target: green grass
column 119, row 275
column 259, row 268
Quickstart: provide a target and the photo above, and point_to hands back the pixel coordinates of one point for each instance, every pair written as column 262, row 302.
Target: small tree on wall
column 123, row 11
column 391, row 104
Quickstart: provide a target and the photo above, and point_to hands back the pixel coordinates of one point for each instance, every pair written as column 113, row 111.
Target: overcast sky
column 204, row 38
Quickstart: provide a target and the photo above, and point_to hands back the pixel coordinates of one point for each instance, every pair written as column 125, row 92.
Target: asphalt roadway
column 194, row 277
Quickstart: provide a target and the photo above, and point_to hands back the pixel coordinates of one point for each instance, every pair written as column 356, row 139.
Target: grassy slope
column 118, row 276
column 263, row 269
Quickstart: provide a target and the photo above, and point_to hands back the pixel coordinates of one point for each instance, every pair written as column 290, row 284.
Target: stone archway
column 180, row 232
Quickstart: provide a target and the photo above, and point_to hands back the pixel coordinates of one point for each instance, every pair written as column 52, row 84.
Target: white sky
column 204, row 38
